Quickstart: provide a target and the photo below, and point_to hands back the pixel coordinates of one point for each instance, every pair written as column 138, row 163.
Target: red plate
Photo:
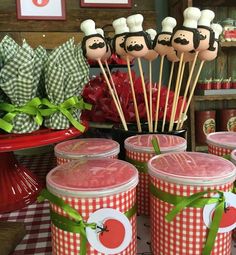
column 44, row 136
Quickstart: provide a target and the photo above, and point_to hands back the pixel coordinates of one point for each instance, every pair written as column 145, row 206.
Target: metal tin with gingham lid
column 86, row 147
column 91, row 186
column 184, row 174
column 139, row 150
column 221, row 143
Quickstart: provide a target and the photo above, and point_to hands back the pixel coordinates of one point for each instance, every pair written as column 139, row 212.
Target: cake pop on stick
column 121, row 29
column 161, row 46
column 94, row 48
column 206, row 39
column 104, row 59
column 206, row 55
column 137, row 44
column 150, row 56
column 185, row 39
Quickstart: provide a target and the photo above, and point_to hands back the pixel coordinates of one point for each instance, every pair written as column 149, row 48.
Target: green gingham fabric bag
column 66, row 73
column 19, row 79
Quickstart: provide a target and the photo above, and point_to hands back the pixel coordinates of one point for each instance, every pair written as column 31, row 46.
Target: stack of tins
column 103, row 193
column 173, row 178
column 86, row 148
column 139, row 150
column 221, row 143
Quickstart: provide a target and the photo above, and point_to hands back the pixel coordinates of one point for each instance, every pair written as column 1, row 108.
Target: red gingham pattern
column 142, row 188
column 69, row 243
column 217, row 150
column 186, row 234
column 65, row 160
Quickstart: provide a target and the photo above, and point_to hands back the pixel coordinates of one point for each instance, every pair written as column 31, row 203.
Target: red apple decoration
column 228, row 218
column 113, row 235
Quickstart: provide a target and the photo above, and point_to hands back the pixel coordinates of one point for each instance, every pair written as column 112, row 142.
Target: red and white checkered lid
column 193, row 168
column 87, row 147
column 222, row 139
column 167, row 143
column 92, row 178
column 233, row 156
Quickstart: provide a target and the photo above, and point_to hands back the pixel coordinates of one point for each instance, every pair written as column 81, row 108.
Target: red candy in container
column 139, row 150
column 103, row 193
column 86, row 148
column 174, row 178
column 221, row 143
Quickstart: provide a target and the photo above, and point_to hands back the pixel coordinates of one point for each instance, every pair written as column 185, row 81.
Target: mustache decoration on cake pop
column 187, row 37
column 162, row 49
column 93, row 44
column 138, row 41
column 91, row 38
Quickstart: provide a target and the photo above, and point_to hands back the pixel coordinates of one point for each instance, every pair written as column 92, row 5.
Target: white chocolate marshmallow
column 191, row 17
column 168, row 24
column 206, row 18
column 100, row 31
column 152, row 33
column 135, row 23
column 217, row 28
column 120, row 26
column 88, row 27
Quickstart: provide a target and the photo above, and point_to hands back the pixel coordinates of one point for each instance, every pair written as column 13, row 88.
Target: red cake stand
column 18, row 185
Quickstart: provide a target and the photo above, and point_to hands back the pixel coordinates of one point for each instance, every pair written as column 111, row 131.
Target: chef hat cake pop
column 121, row 29
column 137, row 42
column 162, row 40
column 211, row 52
column 206, row 32
column 152, row 54
column 109, row 49
column 187, row 37
column 93, row 44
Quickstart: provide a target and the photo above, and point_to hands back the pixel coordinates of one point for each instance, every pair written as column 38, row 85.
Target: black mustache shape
column 164, row 42
column 122, row 45
column 97, row 45
column 202, row 37
column 212, row 48
column 181, row 41
column 135, row 47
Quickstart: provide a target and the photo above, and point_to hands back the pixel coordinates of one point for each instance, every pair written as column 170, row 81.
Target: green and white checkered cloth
column 66, row 73
column 19, row 79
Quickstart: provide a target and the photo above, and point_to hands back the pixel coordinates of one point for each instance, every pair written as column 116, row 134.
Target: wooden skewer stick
column 178, row 92
column 150, row 94
column 171, row 124
column 159, row 93
column 187, row 89
column 134, row 97
column 167, row 96
column 114, row 88
column 191, row 92
column 144, row 93
column 113, row 96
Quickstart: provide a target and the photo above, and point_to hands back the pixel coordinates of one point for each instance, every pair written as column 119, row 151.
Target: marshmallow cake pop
column 162, row 40
column 206, row 32
column 121, row 30
column 93, row 44
column 137, row 42
column 211, row 52
column 151, row 54
column 187, row 37
column 109, row 49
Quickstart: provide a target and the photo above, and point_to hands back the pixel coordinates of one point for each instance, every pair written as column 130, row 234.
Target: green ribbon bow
column 6, row 126
column 142, row 166
column 65, row 108
column 197, row 201
column 76, row 224
column 30, row 108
